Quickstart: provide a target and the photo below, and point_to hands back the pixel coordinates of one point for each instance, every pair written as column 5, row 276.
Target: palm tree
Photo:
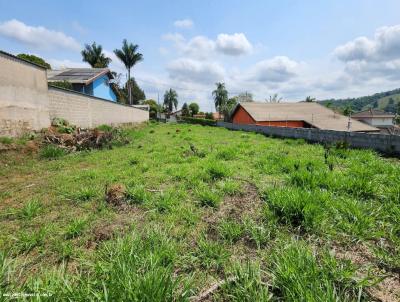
column 220, row 96
column 128, row 55
column 170, row 100
column 93, row 54
column 310, row 99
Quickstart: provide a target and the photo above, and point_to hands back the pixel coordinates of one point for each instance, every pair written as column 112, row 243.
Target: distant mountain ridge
column 386, row 101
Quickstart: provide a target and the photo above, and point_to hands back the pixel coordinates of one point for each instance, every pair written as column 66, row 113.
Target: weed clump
column 52, row 152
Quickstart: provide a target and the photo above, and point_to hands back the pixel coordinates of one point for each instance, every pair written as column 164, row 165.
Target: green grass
column 269, row 218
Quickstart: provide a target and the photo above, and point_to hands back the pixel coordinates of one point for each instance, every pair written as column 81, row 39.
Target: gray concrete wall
column 24, row 103
column 87, row 112
column 27, row 103
column 378, row 142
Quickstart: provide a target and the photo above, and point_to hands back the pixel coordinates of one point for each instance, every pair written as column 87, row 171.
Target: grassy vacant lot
column 207, row 213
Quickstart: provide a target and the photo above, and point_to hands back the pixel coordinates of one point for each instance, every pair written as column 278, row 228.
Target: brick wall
column 379, row 142
column 86, row 111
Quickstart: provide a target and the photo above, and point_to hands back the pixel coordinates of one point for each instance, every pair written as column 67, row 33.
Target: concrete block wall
column 24, row 103
column 28, row 104
column 87, row 112
column 379, row 142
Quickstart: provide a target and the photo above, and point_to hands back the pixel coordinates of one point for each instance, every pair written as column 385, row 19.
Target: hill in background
column 387, row 101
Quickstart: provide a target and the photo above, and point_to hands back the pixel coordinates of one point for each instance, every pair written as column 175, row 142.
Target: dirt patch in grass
column 237, row 206
column 388, row 290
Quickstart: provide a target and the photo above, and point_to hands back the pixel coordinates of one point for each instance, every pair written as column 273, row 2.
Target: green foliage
column 154, row 107
column 194, row 108
column 51, row 152
column 62, row 84
column 208, row 198
column 75, row 228
column 85, row 193
column 211, row 254
column 31, row 209
column 34, row 59
column 105, row 128
column 137, row 194
column 130, row 57
column 27, row 240
column 199, row 121
column 220, row 95
column 246, row 284
column 170, row 100
column 6, row 140
column 93, row 54
column 298, row 276
column 230, row 230
column 185, row 110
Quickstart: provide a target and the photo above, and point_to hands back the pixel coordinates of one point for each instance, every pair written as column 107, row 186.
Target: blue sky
column 294, row 48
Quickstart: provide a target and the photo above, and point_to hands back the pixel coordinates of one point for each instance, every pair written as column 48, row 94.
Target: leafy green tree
column 170, row 100
column 185, row 110
column 220, row 95
column 34, row 59
column 309, row 99
column 154, row 107
column 398, row 108
column 93, row 54
column 129, row 57
column 348, row 110
column 194, row 108
column 209, row 116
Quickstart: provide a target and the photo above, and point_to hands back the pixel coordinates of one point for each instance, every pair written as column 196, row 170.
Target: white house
column 376, row 118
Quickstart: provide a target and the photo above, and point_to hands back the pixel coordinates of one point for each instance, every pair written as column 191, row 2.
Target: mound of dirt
column 116, row 195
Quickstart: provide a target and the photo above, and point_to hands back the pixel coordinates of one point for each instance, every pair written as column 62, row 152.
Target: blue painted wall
column 101, row 89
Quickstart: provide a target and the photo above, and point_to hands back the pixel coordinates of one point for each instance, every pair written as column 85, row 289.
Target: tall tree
column 185, row 110
column 170, row 100
column 220, row 95
column 194, row 108
column 34, row 59
column 93, row 54
column 245, row 97
column 309, row 99
column 129, row 57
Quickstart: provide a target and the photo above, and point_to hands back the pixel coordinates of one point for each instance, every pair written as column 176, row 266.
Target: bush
column 6, row 140
column 52, row 152
column 200, row 121
column 105, row 128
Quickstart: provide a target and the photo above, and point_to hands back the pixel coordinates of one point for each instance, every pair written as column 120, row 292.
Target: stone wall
column 379, row 142
column 24, row 103
column 87, row 111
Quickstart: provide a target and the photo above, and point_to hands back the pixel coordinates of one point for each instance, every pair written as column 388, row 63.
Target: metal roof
column 313, row 113
column 77, row 75
column 369, row 113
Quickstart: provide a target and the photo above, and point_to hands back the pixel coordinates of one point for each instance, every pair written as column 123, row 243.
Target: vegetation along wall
column 380, row 142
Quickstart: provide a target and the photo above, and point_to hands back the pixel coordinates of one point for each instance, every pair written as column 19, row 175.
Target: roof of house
column 77, row 75
column 370, row 113
column 313, row 113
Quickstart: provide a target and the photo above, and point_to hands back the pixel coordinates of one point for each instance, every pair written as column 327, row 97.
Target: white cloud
column 79, row 28
column 189, row 70
column 359, row 49
column 184, row 23
column 233, row 45
column 277, row 69
column 199, row 47
column 38, row 37
column 61, row 64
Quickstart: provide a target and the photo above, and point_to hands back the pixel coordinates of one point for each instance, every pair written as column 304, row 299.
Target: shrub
column 52, row 152
column 200, row 121
column 6, row 140
column 105, row 128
